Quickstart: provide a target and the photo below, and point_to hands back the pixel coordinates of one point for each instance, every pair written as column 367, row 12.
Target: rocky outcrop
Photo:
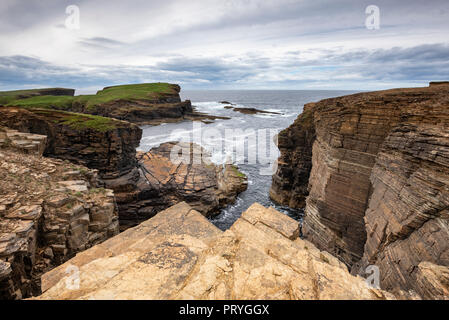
column 105, row 144
column 377, row 191
column 178, row 254
column 161, row 181
column 250, row 110
column 290, row 183
column 147, row 103
column 49, row 210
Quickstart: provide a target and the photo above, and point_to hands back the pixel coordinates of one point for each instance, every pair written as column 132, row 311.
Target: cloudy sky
column 223, row 44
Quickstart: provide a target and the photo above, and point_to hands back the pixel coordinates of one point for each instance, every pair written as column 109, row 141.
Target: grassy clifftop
column 61, row 101
column 7, row 97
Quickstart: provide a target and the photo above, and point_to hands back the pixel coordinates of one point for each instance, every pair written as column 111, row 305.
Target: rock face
column 178, row 254
column 159, row 182
column 290, row 183
column 377, row 191
column 99, row 143
column 49, row 210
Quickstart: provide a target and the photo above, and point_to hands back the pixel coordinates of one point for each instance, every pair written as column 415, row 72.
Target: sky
column 223, row 44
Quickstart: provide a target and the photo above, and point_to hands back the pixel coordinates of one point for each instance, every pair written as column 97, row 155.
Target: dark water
column 255, row 157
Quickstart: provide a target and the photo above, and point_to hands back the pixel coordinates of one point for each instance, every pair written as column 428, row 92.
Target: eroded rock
column 44, row 220
column 160, row 182
column 178, row 254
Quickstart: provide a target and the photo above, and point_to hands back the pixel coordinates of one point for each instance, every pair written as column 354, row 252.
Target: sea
column 248, row 140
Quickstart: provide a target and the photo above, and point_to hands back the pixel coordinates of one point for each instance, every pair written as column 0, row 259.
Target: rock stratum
column 50, row 209
column 179, row 254
column 371, row 171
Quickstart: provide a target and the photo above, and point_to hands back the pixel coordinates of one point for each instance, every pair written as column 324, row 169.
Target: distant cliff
column 146, row 103
column 372, row 171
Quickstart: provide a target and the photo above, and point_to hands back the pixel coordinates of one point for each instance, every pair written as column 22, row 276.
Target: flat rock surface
column 179, row 254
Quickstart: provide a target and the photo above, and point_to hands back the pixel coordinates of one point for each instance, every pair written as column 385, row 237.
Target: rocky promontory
column 371, row 171
column 147, row 103
column 179, row 254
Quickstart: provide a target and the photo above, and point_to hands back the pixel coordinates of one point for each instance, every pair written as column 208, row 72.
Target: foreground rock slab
column 179, row 254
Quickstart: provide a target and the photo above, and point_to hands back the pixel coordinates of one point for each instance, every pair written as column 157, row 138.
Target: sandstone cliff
column 178, row 254
column 49, row 210
column 374, row 168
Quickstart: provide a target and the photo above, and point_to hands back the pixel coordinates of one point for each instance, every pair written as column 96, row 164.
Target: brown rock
column 160, row 183
column 43, row 224
column 378, row 185
column 178, row 254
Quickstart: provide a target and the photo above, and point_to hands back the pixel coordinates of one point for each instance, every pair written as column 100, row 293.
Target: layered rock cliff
column 374, row 171
column 49, row 210
column 105, row 144
column 178, row 254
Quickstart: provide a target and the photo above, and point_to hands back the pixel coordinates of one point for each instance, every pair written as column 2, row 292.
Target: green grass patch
column 145, row 91
column 237, row 172
column 84, row 121
column 130, row 92
column 47, row 102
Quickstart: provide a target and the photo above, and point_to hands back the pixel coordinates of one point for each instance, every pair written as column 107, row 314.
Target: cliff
column 142, row 186
column 178, row 254
column 148, row 103
column 105, row 144
column 374, row 168
column 49, row 210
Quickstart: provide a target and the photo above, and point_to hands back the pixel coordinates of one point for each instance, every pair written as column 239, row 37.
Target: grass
column 80, row 121
column 47, row 102
column 7, row 97
column 86, row 121
column 145, row 91
column 238, row 173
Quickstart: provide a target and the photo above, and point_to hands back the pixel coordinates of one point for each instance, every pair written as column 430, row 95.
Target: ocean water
column 247, row 140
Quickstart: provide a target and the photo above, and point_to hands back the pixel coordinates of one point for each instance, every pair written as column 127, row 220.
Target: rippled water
column 288, row 103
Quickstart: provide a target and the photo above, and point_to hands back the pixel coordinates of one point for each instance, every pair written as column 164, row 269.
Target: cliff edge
column 371, row 171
